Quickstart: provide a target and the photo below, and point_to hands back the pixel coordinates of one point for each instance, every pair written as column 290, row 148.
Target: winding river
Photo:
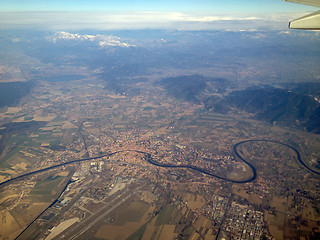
column 150, row 160
column 276, row 142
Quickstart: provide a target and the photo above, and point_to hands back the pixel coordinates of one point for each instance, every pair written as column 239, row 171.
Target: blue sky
column 153, row 5
column 142, row 14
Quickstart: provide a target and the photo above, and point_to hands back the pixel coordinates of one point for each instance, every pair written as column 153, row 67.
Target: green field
column 137, row 235
column 3, row 161
column 42, row 192
column 133, row 213
column 168, row 215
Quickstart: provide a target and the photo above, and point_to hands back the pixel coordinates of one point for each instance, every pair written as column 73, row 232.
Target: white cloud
column 142, row 20
column 285, row 32
column 16, row 40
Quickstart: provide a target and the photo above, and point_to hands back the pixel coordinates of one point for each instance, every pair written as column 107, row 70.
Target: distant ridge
column 270, row 104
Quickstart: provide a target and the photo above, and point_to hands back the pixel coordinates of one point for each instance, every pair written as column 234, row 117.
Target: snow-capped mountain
column 102, row 40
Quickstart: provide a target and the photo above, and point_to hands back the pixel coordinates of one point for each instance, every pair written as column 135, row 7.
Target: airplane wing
column 311, row 21
column 315, row 3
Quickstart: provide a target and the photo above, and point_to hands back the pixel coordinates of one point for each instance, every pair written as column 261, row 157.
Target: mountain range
column 266, row 103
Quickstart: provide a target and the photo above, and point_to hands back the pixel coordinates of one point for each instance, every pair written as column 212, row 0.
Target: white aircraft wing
column 315, row 3
column 311, row 21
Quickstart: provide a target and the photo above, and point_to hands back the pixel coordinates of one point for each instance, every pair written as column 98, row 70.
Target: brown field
column 11, row 172
column 150, row 230
column 196, row 205
column 255, row 198
column 27, row 214
column 13, row 109
column 21, row 165
column 46, row 118
column 135, row 212
column 240, row 174
column 210, row 235
column 276, row 223
column 9, row 227
column 92, row 206
column 57, row 134
column 147, row 196
column 280, row 204
column 13, row 222
column 63, row 174
column 194, row 201
column 278, row 219
column 241, row 193
column 3, row 178
column 204, row 227
column 308, row 212
column 195, row 236
column 184, row 211
column 8, row 197
column 47, row 128
column 111, row 232
column 126, row 226
column 202, row 223
column 163, row 130
column 21, row 119
column 276, row 232
column 310, row 225
column 68, row 125
column 28, row 205
column 167, row 232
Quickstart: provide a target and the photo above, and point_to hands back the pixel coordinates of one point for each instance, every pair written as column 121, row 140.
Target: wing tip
column 311, row 22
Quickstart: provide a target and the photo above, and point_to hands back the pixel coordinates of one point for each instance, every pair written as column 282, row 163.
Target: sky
column 131, row 14
column 152, row 5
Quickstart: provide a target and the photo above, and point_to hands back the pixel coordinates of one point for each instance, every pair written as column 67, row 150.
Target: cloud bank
column 142, row 20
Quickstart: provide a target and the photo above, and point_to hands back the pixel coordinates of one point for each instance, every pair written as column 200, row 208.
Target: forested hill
column 274, row 105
